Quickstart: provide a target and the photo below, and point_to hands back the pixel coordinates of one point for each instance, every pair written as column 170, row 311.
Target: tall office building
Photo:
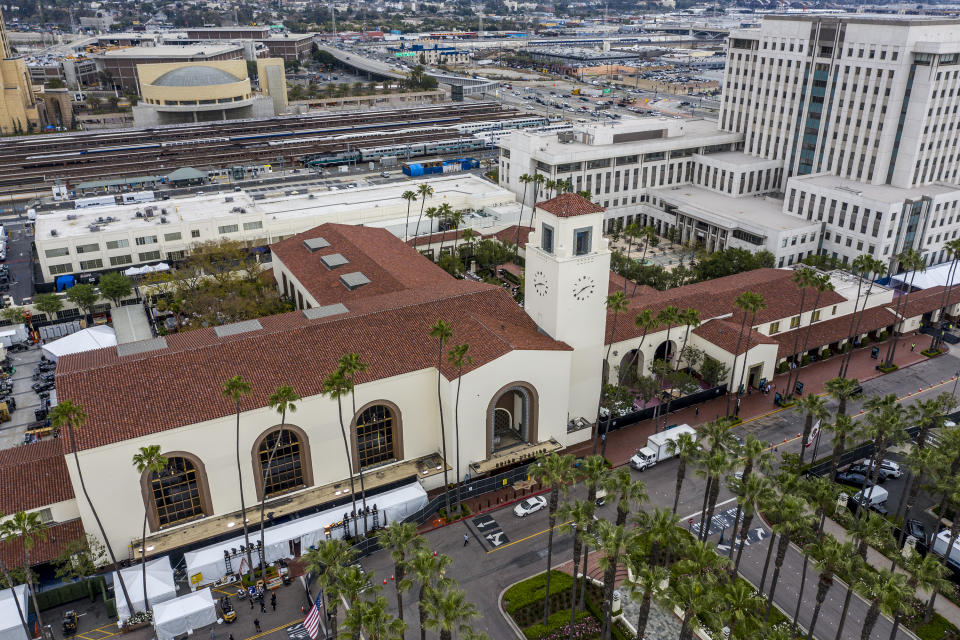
column 19, row 111
column 4, row 42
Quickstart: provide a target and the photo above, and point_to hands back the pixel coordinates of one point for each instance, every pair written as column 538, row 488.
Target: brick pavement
column 624, row 442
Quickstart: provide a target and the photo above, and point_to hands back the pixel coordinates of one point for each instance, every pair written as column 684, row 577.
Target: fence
column 864, row 450
column 675, row 405
column 88, row 588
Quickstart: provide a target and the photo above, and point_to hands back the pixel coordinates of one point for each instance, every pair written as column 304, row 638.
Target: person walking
column 263, row 607
column 256, row 624
column 273, row 601
column 913, row 346
column 251, row 603
column 466, row 539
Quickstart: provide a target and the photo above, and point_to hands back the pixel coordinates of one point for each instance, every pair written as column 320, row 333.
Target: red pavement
column 622, row 443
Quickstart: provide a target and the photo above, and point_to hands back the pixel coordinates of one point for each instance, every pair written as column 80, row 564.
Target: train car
column 138, row 196
column 343, row 157
column 132, row 147
column 453, row 146
column 393, row 151
column 96, row 201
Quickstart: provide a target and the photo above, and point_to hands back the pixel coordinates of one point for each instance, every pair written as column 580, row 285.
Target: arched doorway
column 632, row 362
column 377, row 435
column 512, row 417
column 281, row 461
column 665, row 351
column 177, row 494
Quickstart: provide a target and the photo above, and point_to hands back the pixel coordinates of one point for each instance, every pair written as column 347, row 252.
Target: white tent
column 84, row 340
column 138, row 271
column 395, row 504
column 936, row 276
column 184, row 614
column 11, row 628
column 160, row 586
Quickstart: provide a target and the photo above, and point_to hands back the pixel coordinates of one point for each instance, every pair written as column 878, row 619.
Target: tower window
column 546, row 238
column 581, row 241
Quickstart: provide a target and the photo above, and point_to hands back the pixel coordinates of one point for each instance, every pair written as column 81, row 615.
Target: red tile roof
column 924, row 301
column 435, row 238
column 568, row 205
column 509, row 235
column 715, row 298
column 58, row 537
column 832, row 330
column 389, row 327
column 726, row 334
column 33, row 476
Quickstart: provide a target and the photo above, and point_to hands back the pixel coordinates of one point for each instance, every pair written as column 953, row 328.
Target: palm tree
column 425, row 191
column 351, row 583
column 335, row 386
column 30, row 529
column 281, row 401
column 803, row 278
column 843, row 429
column 872, row 267
column 860, row 267
column 912, row 261
column 349, row 365
column 459, row 357
column 526, row 179
column 754, row 455
column 445, row 216
column 830, row 557
column 324, row 562
column 645, row 321
column 953, row 500
column 429, row 570
column 815, row 409
column 754, row 303
column 953, row 250
column 926, row 573
column 410, row 197
column 792, row 519
column 442, row 332
column 668, row 317
column 918, row 462
column 616, row 302
column 70, row 416
column 538, row 179
column 684, row 447
column 555, row 471
column 841, row 389
column 743, row 303
column 628, row 491
column 13, row 593
column 887, row 592
column 885, row 423
column 404, row 542
column 929, row 415
column 690, row 319
column 753, row 491
column 820, row 282
column 578, row 518
column 448, row 610
column 715, row 466
column 147, row 459
column 614, row 541
column 786, row 510
column 645, row 587
column 372, row 618
column 235, row 389
column 742, row 602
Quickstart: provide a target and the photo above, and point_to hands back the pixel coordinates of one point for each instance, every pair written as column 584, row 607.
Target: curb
column 488, row 510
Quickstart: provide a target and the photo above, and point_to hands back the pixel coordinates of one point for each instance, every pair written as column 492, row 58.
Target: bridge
column 701, row 31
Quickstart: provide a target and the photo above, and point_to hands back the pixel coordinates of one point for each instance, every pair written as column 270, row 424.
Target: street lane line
column 532, row 535
column 697, row 513
column 275, row 629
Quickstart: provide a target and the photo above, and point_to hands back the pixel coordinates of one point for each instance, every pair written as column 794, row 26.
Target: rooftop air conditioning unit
column 228, row 199
column 71, row 216
column 163, row 220
column 53, row 232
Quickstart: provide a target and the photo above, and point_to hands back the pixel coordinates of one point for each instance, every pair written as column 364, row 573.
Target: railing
column 864, row 450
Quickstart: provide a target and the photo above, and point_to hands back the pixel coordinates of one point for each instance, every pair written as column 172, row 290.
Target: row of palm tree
column 441, row 605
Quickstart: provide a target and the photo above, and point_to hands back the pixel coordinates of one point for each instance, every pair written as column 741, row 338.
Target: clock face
column 540, row 283
column 583, row 288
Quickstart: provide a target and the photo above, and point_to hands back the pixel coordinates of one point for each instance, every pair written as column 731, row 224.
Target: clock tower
column 567, row 275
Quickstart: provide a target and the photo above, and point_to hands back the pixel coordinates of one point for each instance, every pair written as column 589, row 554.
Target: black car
column 864, row 470
column 853, row 479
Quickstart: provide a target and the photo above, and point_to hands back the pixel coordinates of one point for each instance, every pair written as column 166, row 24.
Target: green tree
column 628, row 492
column 335, row 386
column 430, row 571
column 448, row 610
column 235, row 389
column 843, row 429
column 84, row 296
column 753, row 491
column 147, row 459
column 351, row 365
column 831, row 557
column 886, row 592
column 410, row 197
column 30, row 530
column 115, row 286
column 791, row 518
column 282, row 400
column 616, row 302
column 554, row 471
column 614, row 541
column 404, row 542
column 12, row 585
column 841, row 390
column 912, row 261
column 803, row 279
column 70, row 416
column 425, row 191
column 48, row 303
column 578, row 517
column 752, row 303
column 684, row 447
column 953, row 250
column 459, row 356
column 371, row 618
column 442, row 332
column 325, row 562
column 872, row 268
column 79, row 559
column 646, row 586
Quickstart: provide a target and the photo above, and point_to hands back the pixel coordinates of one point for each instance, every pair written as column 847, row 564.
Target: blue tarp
column 65, row 282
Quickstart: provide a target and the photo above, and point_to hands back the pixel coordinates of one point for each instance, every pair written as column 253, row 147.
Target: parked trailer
column 138, row 196
column 97, row 201
column 940, row 546
column 658, row 447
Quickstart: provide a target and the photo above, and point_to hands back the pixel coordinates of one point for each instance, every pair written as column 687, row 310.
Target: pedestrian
column 263, row 607
column 251, row 604
column 466, row 539
column 231, row 637
column 273, row 601
column 213, row 634
column 913, row 346
column 256, row 624
column 698, row 411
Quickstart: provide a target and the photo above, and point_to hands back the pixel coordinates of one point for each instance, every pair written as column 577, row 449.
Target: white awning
column 160, row 586
column 84, row 340
column 11, row 627
column 184, row 614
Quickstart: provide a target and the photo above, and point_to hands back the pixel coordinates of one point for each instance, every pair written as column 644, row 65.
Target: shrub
column 558, row 623
column 805, row 360
column 783, row 367
column 826, row 353
column 530, row 592
column 887, row 368
column 937, row 629
column 882, row 336
column 931, row 353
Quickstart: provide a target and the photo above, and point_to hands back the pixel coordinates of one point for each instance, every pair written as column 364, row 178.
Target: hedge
column 524, row 600
column 555, row 623
column 939, row 628
column 69, row 592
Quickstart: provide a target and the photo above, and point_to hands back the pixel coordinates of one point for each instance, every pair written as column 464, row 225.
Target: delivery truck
column 940, row 542
column 659, row 446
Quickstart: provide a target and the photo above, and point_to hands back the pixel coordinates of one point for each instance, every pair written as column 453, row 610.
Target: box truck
column 659, row 446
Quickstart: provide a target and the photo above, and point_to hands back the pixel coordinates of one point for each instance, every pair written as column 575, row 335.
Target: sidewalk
column 877, row 560
column 622, row 443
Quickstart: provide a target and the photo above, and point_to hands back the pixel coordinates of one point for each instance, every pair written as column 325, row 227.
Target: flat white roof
column 878, row 192
column 736, row 160
column 764, row 213
column 170, row 51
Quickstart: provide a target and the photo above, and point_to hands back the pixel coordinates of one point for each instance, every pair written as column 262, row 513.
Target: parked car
column 852, row 479
column 868, row 471
column 530, row 505
column 891, row 468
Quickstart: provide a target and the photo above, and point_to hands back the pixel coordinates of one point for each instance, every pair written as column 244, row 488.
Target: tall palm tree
column 912, row 261
column 859, row 266
column 282, row 400
column 594, row 472
column 741, row 602
column 614, row 541
column 448, row 610
column 445, row 216
column 841, row 389
column 645, row 321
column 929, row 415
column 578, row 518
column 30, row 529
column 525, row 179
column 442, row 331
column 792, row 518
column 147, row 459
column 886, row 592
column 459, row 357
column 753, row 303
column 351, row 365
column 953, row 250
column 873, row 268
column 743, row 303
column 918, row 462
column 715, row 465
column 814, row 408
column 627, row 490
column 645, row 587
column 843, row 429
column 753, row 491
column 352, row 582
column 885, row 423
column 925, row 572
column 70, row 416
column 410, row 197
column 684, row 447
column 668, row 317
column 555, row 471
column 335, row 386
column 425, row 191
column 370, row 617
column 404, row 542
column 821, row 283
column 429, row 571
column 324, row 562
column 616, row 302
column 953, row 500
column 830, row 557
column 803, row 278
column 538, row 179
column 236, row 388
column 13, row 594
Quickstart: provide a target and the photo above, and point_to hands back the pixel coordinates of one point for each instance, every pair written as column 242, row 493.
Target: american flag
column 312, row 622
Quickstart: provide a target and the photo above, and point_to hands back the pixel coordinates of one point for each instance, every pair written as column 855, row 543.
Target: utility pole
column 333, row 16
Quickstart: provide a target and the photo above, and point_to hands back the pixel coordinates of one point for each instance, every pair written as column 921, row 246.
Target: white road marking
column 697, row 513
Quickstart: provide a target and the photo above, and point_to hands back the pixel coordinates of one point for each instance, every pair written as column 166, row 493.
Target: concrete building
column 289, row 46
column 120, row 65
column 73, row 71
column 431, row 55
column 19, row 112
column 178, row 92
column 111, row 238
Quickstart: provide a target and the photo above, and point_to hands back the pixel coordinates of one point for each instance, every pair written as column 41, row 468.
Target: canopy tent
column 147, row 268
column 11, row 628
column 84, row 340
column 932, row 277
column 395, row 504
column 160, row 586
column 184, row 614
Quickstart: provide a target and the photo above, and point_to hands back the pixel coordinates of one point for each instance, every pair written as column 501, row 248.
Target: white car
column 530, row 505
column 888, row 467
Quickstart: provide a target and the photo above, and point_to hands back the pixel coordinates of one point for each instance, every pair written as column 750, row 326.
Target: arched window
column 286, row 468
column 177, row 492
column 376, row 436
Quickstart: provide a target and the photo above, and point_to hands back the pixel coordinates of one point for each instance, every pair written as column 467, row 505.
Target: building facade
column 120, row 65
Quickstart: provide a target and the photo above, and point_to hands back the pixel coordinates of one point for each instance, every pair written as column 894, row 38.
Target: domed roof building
column 178, row 92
